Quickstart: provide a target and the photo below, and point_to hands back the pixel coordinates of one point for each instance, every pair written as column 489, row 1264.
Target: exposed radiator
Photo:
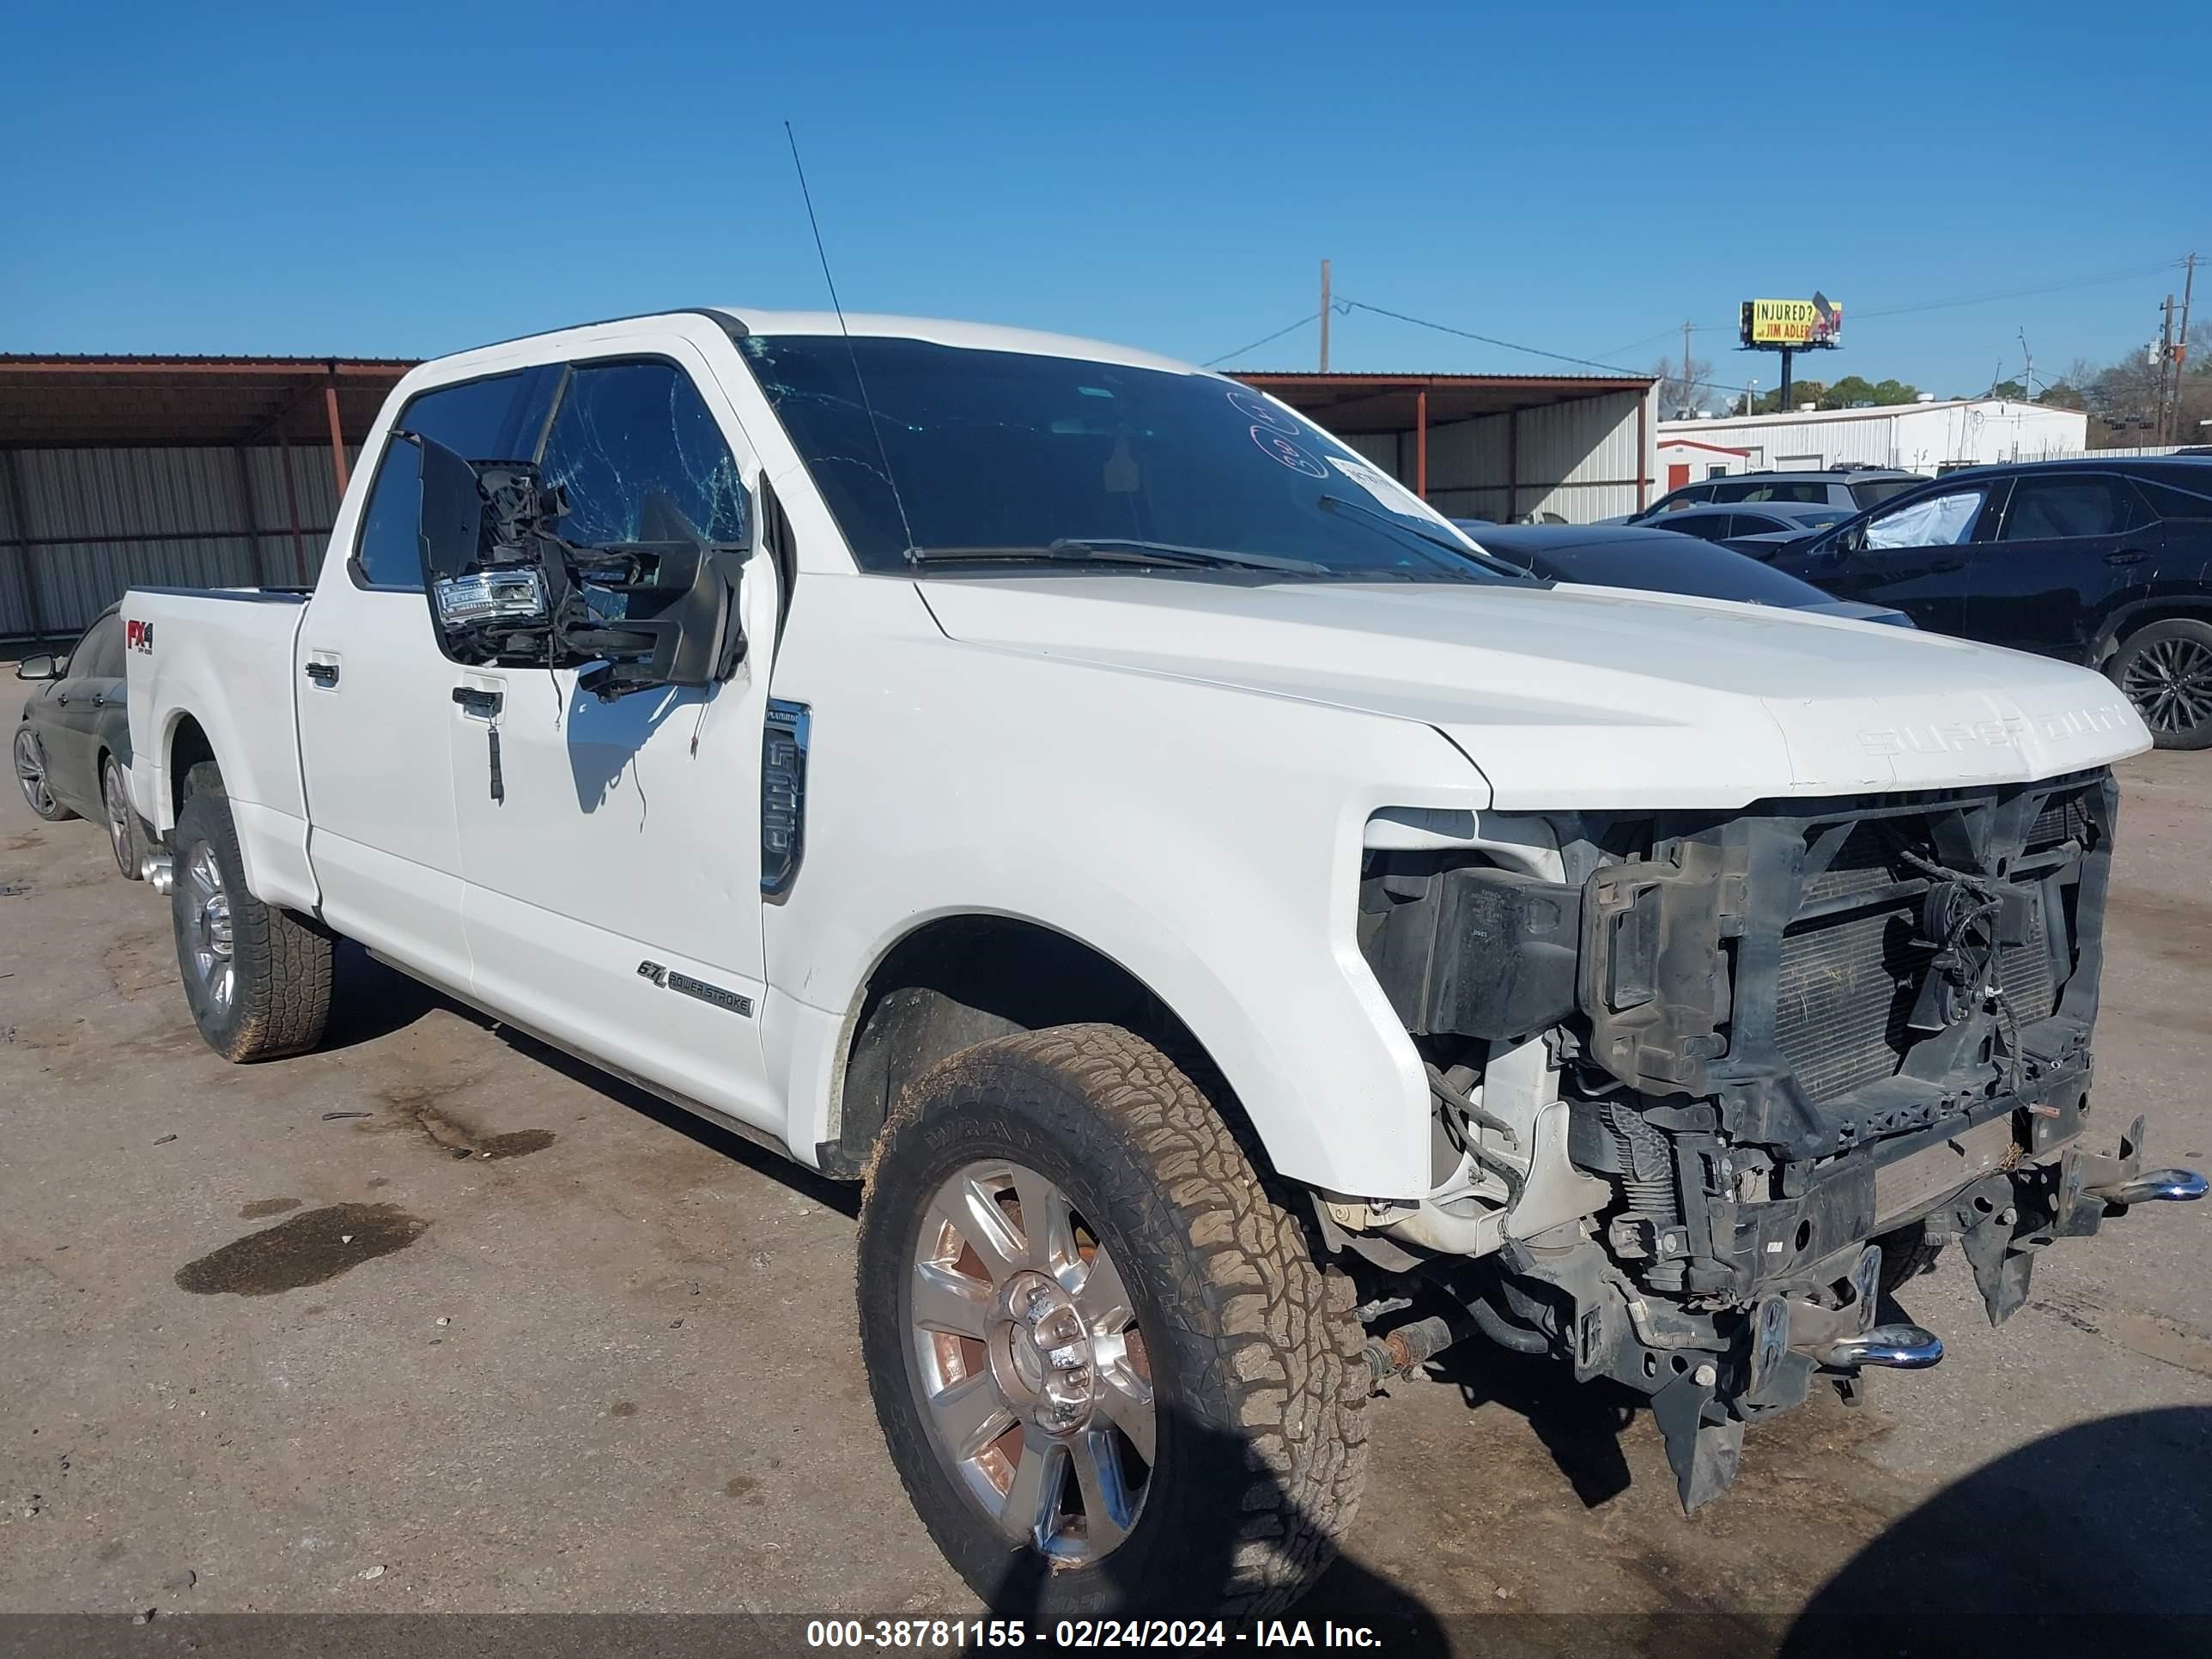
column 1843, row 995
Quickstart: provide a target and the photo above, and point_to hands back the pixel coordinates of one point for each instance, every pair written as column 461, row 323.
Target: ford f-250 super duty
column 1243, row 936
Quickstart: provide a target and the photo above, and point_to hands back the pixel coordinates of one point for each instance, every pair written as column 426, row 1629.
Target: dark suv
column 1851, row 488
column 2107, row 563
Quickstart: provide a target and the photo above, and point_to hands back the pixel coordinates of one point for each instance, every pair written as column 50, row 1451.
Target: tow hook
column 2153, row 1187
column 1902, row 1347
column 158, row 870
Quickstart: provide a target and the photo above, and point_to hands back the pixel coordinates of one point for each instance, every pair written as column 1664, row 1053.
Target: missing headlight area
column 1802, row 1045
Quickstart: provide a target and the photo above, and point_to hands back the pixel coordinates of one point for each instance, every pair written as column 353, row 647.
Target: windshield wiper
column 1114, row 550
column 1464, row 553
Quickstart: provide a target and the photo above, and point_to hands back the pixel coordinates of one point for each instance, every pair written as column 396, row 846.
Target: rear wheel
column 122, row 818
column 1110, row 1375
column 257, row 978
column 2166, row 671
column 31, row 777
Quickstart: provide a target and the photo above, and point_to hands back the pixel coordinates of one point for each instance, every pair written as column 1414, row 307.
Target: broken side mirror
column 466, row 593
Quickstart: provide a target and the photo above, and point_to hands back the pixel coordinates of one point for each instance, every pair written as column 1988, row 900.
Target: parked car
column 72, row 747
column 1851, row 488
column 1629, row 556
column 2107, row 563
column 1772, row 523
column 1198, row 892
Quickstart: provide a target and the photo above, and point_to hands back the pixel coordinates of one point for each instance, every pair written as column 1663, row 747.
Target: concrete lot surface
column 434, row 1320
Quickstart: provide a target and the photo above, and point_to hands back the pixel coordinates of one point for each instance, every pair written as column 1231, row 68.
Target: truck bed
column 226, row 656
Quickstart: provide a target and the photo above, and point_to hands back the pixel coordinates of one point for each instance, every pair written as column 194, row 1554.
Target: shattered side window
column 641, row 458
column 1932, row 521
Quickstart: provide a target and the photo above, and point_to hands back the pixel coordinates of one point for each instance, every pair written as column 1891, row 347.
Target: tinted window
column 1711, row 526
column 1872, row 491
column 2169, row 502
column 1681, row 501
column 99, row 654
column 497, row 419
column 642, row 459
column 1770, row 489
column 2057, row 508
column 1014, row 451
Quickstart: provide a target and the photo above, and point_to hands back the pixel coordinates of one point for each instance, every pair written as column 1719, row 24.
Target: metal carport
column 204, row 471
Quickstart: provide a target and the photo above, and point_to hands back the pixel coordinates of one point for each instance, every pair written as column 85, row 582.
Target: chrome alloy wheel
column 31, row 771
column 2170, row 682
column 1030, row 1373
column 208, row 942
column 117, row 800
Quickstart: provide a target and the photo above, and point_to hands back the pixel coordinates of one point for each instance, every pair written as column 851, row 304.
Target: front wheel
column 2166, row 669
column 257, row 978
column 1111, row 1376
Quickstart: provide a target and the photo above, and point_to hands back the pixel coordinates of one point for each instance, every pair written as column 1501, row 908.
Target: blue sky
column 405, row 180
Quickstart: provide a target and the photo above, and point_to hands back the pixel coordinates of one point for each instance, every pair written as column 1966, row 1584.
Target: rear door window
column 99, row 654
column 2065, row 508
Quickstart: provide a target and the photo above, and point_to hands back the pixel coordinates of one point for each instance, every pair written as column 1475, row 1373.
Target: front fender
column 1206, row 839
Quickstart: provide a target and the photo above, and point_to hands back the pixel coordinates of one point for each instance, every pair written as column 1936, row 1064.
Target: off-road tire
column 1260, row 1387
column 282, row 998
column 1906, row 1255
column 2182, row 634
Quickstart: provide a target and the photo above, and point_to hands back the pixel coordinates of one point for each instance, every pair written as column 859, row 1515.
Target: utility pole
column 1687, row 388
column 2165, row 365
column 1324, row 316
column 2181, row 340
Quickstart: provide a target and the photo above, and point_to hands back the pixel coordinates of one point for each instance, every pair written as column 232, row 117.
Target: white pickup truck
column 1243, row 937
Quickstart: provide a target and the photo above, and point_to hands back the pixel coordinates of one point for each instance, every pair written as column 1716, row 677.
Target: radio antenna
column 858, row 380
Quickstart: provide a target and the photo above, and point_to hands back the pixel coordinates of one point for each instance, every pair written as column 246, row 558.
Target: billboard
column 1792, row 322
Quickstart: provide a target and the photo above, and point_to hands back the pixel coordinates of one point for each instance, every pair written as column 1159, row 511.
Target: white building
column 1920, row 437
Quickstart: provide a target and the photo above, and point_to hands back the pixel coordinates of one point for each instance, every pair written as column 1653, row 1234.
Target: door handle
column 325, row 674
column 2126, row 555
column 474, row 699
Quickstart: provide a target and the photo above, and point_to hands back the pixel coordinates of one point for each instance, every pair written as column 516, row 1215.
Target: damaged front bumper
column 1710, row 1373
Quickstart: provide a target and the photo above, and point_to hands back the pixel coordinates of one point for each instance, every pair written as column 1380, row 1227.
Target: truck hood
column 1588, row 698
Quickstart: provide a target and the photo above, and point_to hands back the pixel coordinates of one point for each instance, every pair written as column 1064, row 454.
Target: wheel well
column 961, row 980
column 188, row 747
column 2121, row 628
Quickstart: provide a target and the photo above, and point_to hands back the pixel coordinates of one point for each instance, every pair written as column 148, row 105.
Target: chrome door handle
column 2126, row 555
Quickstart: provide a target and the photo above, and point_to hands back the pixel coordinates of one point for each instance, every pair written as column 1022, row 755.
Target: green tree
column 2012, row 390
column 1801, row 392
column 2064, row 395
column 1851, row 390
column 1895, row 391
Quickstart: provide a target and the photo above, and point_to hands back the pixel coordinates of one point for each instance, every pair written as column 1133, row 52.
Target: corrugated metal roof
column 53, row 401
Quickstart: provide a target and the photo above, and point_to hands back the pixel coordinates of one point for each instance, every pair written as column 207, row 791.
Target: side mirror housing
column 44, row 667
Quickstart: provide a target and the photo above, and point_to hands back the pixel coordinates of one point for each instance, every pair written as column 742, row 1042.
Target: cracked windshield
column 1004, row 457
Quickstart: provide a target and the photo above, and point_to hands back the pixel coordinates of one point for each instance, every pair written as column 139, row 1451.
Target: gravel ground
column 434, row 1322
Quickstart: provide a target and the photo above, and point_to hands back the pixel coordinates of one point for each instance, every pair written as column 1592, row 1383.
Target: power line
column 1264, row 339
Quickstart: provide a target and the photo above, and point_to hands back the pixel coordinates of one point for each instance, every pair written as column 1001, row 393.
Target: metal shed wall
column 1581, row 460
column 95, row 521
